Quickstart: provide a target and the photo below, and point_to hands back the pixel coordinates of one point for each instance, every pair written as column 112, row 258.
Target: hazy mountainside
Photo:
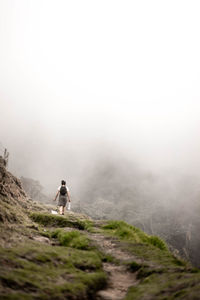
column 14, row 200
column 165, row 205
column 14, row 208
column 46, row 256
column 34, row 190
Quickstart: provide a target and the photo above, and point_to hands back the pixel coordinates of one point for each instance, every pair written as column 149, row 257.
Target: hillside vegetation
column 164, row 204
column 45, row 256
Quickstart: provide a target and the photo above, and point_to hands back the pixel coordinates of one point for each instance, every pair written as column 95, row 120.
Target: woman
column 63, row 192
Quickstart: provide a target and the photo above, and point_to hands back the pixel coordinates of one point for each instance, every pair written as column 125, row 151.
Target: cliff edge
column 45, row 256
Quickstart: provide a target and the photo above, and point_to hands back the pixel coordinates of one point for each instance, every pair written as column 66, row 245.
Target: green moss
column 180, row 262
column 152, row 255
column 128, row 232
column 108, row 258
column 166, row 285
column 65, row 290
column 88, row 225
column 151, row 250
column 43, row 272
column 56, row 221
column 62, row 221
column 195, row 270
column 157, row 242
column 16, row 296
column 45, row 233
column 94, row 281
column 145, row 271
column 133, row 266
column 72, row 239
column 86, row 288
column 54, row 234
column 180, row 294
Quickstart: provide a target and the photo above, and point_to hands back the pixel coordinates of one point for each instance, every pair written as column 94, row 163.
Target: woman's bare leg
column 60, row 209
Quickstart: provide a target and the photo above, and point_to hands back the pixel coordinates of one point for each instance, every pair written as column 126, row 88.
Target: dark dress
column 62, row 200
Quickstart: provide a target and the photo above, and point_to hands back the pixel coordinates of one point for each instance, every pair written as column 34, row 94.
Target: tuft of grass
column 195, row 270
column 72, row 239
column 180, row 262
column 166, row 285
column 157, row 242
column 128, row 232
column 78, row 240
column 57, row 221
column 134, row 267
column 46, row 272
column 54, row 234
column 108, row 258
column 114, row 224
column 94, row 282
column 145, row 271
column 16, row 296
column 88, row 225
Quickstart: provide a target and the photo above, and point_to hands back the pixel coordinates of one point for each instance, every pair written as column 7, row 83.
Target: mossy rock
column 58, row 221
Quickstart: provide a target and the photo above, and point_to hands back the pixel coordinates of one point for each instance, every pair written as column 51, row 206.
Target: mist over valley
column 106, row 96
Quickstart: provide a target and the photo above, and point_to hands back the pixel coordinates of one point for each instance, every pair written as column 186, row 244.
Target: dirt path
column 119, row 282
column 120, row 279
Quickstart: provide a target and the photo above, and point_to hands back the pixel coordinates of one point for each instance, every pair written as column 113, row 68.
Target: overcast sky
column 79, row 78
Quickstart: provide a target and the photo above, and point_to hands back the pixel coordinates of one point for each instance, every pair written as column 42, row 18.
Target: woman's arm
column 56, row 195
column 68, row 196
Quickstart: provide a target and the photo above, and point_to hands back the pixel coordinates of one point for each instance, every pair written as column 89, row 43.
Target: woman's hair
column 63, row 182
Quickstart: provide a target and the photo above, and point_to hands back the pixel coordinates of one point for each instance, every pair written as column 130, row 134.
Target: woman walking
column 63, row 192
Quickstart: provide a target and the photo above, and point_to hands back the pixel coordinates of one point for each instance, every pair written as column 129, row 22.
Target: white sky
column 122, row 73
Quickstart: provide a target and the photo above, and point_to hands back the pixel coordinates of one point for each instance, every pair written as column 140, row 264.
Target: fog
column 86, row 80
column 105, row 94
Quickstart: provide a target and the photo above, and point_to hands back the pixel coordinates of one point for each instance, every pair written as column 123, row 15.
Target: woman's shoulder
column 65, row 186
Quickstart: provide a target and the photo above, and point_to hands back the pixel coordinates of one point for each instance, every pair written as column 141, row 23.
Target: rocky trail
column 119, row 282
column 120, row 279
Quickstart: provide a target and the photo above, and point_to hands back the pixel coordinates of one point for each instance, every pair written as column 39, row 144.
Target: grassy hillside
column 46, row 256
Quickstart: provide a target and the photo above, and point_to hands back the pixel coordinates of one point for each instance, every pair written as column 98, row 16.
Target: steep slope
column 14, row 201
column 34, row 266
column 14, row 208
column 34, row 190
column 46, row 256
